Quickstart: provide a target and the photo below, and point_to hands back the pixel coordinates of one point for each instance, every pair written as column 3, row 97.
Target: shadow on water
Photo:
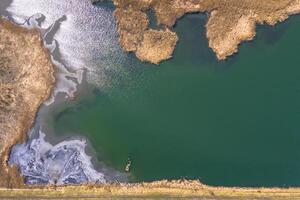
column 49, row 38
column 4, row 4
column 193, row 45
column 153, row 20
column 51, row 31
column 104, row 3
column 193, row 48
column 272, row 34
column 172, row 99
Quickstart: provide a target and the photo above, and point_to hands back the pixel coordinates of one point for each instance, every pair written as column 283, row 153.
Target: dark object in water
column 127, row 168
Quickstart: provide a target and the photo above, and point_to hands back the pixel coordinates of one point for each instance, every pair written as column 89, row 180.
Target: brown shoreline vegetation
column 156, row 190
column 230, row 22
column 26, row 80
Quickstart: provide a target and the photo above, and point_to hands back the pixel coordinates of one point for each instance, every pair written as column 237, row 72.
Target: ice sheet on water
column 65, row 163
column 81, row 37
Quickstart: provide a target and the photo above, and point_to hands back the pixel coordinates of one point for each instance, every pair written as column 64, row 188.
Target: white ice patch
column 82, row 36
column 82, row 39
column 64, row 163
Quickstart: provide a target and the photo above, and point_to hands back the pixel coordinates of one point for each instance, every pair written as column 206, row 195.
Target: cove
column 232, row 123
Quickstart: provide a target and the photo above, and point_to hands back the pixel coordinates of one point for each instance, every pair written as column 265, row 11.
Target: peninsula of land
column 230, row 22
column 26, row 80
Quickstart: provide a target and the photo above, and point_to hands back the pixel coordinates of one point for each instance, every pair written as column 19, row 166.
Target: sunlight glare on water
column 87, row 37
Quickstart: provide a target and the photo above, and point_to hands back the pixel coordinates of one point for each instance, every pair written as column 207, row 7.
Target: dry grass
column 26, row 80
column 230, row 21
column 155, row 190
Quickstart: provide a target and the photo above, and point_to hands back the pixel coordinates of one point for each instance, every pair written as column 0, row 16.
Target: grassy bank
column 155, row 190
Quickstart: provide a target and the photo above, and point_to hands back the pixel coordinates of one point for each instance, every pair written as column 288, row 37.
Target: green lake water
column 232, row 123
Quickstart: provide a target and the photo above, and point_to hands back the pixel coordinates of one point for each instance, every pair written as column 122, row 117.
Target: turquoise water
column 232, row 123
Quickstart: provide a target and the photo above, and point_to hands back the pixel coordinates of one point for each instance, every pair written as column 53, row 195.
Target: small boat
column 127, row 168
